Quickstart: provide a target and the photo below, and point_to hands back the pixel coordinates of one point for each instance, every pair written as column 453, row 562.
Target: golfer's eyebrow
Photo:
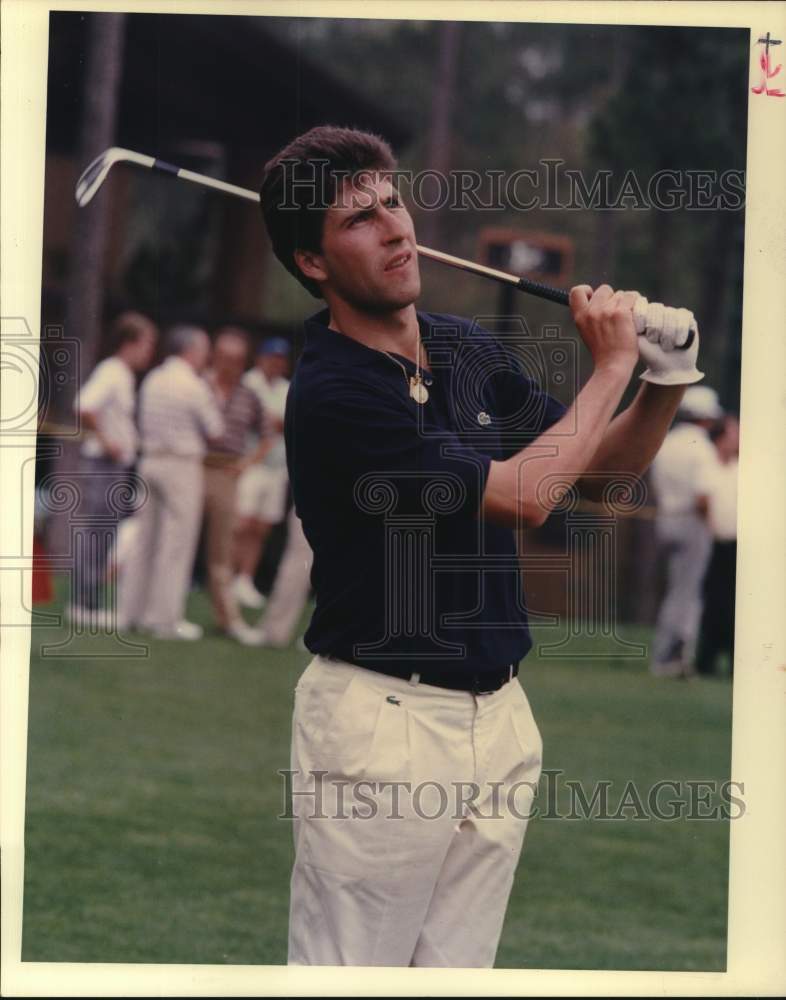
column 392, row 199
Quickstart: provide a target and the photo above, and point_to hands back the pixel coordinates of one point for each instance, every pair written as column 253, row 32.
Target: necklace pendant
column 417, row 390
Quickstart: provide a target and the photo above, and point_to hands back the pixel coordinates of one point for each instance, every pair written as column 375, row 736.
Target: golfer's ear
column 310, row 264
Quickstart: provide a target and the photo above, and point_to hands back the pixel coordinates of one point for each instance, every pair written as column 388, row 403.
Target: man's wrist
column 616, row 367
column 659, row 391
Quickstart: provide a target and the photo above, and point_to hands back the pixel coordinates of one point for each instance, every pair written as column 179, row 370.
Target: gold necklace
column 417, row 390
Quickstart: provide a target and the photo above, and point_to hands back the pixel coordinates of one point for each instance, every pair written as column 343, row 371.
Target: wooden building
column 219, row 94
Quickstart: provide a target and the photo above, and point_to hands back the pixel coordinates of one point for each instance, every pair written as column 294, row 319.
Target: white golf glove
column 663, row 331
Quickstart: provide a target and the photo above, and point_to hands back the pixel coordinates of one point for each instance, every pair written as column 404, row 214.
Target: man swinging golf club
column 416, row 445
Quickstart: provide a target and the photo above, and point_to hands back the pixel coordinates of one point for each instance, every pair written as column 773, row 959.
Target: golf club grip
column 558, row 295
column 562, row 297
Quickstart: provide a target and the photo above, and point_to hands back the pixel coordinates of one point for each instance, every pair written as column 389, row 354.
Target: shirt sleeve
column 367, row 448
column 209, row 417
column 527, row 409
column 97, row 390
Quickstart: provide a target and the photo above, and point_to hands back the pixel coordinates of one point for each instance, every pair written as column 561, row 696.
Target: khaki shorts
column 262, row 494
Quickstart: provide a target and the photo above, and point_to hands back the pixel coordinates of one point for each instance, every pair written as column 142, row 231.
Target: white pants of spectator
column 687, row 543
column 291, row 586
column 157, row 573
column 414, row 878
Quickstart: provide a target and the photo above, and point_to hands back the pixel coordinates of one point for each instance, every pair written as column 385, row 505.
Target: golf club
column 94, row 175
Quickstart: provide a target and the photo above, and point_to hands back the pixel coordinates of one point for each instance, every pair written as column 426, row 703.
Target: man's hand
column 665, row 330
column 605, row 321
column 114, row 451
column 238, row 467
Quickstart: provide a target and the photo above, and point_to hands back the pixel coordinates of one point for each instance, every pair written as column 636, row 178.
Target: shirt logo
column 392, row 700
column 484, row 419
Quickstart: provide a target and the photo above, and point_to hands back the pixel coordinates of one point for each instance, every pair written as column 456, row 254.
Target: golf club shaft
column 558, row 295
column 203, row 179
column 87, row 185
column 95, row 173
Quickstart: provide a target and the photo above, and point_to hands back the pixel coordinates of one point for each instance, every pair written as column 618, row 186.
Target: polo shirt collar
column 334, row 346
column 175, row 361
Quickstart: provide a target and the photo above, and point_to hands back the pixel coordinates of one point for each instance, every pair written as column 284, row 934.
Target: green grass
column 152, row 796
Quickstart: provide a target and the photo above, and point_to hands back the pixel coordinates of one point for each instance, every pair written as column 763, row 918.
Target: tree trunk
column 439, row 152
column 86, row 266
column 658, row 287
column 85, row 295
column 715, row 291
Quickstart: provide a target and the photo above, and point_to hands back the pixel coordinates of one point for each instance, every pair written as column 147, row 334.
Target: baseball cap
column 700, row 402
column 274, row 345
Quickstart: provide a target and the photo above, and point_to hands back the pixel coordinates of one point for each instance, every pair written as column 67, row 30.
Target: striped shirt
column 177, row 412
column 273, row 397
column 243, row 414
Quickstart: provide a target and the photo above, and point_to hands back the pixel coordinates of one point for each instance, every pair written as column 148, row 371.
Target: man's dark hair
column 300, row 184
column 128, row 328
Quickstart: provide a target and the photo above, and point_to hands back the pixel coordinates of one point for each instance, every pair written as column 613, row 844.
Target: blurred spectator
column 105, row 405
column 228, row 459
column 686, row 457
column 291, row 588
column 177, row 416
column 262, row 489
column 718, row 504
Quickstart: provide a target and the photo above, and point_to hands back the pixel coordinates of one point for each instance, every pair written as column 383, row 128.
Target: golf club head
column 94, row 175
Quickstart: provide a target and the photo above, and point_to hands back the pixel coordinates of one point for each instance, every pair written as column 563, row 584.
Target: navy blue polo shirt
column 407, row 576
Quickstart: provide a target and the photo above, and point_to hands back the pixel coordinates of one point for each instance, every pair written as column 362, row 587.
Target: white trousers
column 687, row 543
column 290, row 589
column 154, row 585
column 408, row 836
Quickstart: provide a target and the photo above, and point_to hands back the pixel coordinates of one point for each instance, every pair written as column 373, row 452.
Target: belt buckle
column 499, row 681
column 476, row 689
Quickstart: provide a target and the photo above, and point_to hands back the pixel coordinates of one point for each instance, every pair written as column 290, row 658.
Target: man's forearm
column 261, row 450
column 513, row 492
column 90, row 423
column 633, row 438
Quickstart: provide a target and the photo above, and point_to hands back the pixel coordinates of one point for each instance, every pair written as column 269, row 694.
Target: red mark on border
column 767, row 71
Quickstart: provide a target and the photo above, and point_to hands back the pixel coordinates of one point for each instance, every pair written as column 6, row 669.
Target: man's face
column 368, row 256
column 143, row 350
column 229, row 357
column 199, row 352
column 273, row 366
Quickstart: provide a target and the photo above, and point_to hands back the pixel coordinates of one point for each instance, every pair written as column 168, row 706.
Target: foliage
column 598, row 97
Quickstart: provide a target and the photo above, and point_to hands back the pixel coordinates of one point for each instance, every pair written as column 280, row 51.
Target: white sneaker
column 265, row 639
column 91, row 618
column 188, row 631
column 245, row 634
column 246, row 593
